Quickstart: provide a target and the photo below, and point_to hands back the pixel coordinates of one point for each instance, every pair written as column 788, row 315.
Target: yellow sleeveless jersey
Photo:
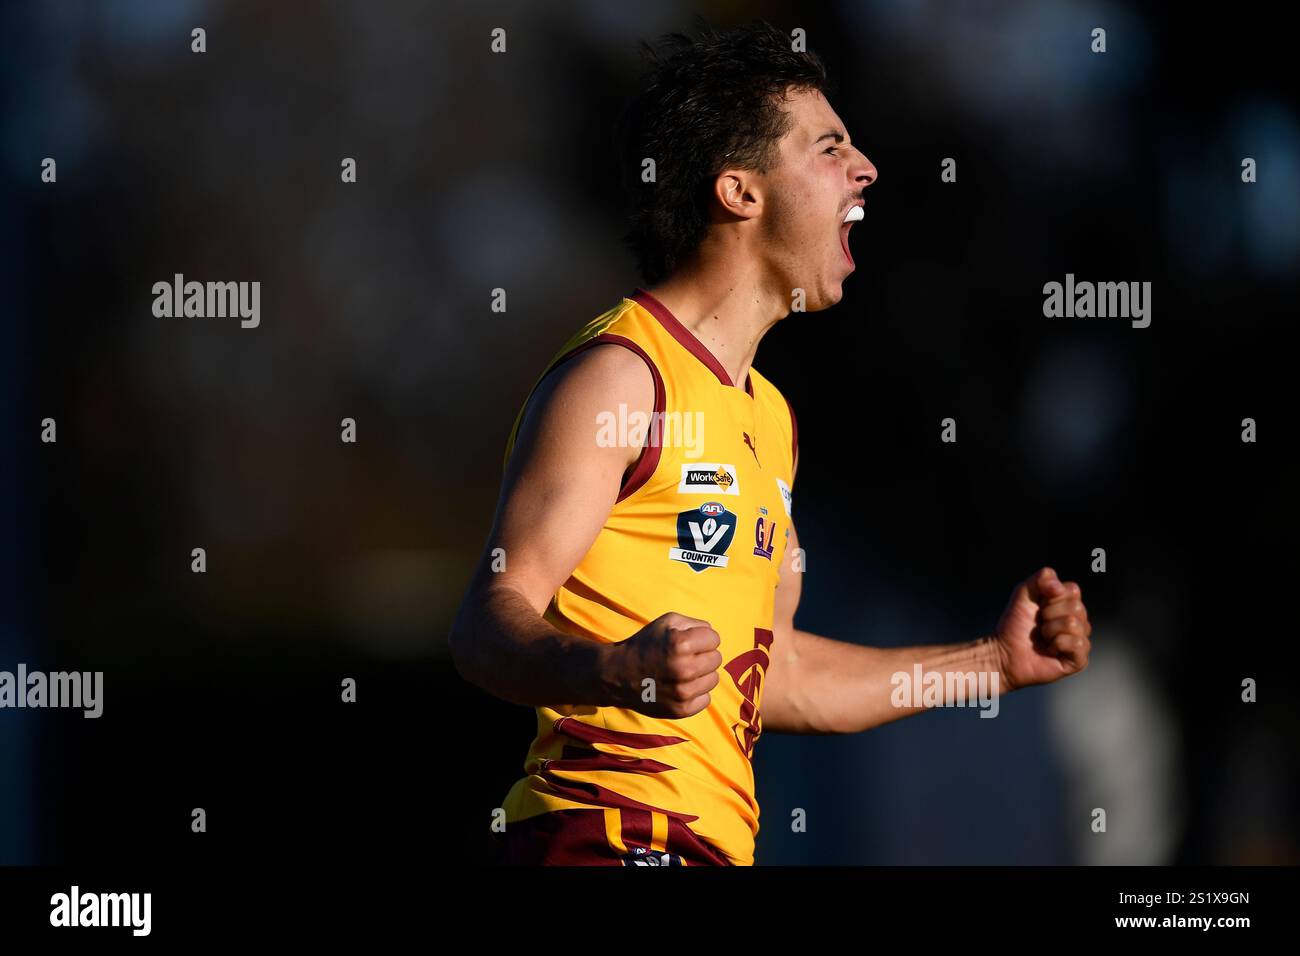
column 700, row 527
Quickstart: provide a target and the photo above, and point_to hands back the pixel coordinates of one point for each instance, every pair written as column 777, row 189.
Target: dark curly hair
column 710, row 101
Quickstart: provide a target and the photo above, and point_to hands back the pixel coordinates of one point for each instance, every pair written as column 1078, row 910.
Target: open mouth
column 853, row 215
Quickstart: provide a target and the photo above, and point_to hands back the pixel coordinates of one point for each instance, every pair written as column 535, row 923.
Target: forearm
column 835, row 687
column 501, row 644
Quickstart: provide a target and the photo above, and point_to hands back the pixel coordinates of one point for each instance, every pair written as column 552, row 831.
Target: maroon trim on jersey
column 648, row 460
column 794, row 435
column 576, row 759
column 579, row 589
column 577, row 730
column 682, row 839
column 597, row 760
column 584, row 791
column 684, row 336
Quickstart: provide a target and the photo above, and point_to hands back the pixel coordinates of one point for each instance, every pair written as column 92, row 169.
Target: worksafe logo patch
column 703, row 536
column 709, row 478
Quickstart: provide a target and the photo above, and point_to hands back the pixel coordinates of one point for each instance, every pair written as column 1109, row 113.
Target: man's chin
column 827, row 291
column 831, row 294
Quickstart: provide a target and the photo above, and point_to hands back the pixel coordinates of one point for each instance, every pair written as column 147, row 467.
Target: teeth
column 854, row 214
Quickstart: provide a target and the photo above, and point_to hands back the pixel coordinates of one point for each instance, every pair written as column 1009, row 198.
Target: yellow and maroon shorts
column 604, row 837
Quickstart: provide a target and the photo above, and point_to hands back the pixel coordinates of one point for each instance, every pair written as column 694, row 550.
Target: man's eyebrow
column 830, row 134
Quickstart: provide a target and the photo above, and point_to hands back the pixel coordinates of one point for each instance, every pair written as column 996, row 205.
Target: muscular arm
column 815, row 685
column 558, row 490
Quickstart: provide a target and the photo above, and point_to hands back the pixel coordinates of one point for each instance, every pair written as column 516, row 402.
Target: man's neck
column 729, row 313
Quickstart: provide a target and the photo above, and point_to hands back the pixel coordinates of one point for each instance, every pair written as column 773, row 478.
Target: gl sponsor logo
column 764, row 532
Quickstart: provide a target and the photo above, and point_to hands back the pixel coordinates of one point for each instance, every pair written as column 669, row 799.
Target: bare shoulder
column 600, row 378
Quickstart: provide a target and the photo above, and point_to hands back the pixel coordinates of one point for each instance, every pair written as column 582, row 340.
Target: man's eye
column 831, row 149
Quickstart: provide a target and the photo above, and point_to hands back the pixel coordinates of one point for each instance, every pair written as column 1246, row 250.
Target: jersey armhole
column 646, row 463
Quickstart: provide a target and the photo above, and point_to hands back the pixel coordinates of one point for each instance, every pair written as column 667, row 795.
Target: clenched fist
column 1043, row 633
column 678, row 653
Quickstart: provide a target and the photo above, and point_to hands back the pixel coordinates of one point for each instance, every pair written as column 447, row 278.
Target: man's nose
column 862, row 172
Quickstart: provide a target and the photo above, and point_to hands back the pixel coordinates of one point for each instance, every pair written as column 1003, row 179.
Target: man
column 640, row 593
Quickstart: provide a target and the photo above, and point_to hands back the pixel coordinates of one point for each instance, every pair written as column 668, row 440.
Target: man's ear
column 739, row 193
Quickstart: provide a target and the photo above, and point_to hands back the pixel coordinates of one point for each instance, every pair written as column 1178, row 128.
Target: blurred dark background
column 477, row 171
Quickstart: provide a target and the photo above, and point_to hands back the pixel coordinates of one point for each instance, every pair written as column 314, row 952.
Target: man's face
column 819, row 178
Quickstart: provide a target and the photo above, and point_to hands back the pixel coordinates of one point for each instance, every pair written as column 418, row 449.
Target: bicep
column 561, row 482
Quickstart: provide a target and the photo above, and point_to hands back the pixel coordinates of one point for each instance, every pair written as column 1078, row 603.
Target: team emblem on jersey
column 709, row 478
column 748, row 671
column 703, row 536
column 786, row 497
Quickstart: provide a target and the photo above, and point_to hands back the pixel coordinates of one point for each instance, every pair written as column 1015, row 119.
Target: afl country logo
column 703, row 536
column 708, row 478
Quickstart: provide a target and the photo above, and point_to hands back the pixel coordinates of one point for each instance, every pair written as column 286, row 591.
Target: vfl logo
column 703, row 536
column 709, row 478
column 747, row 671
column 786, row 497
column 762, row 543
